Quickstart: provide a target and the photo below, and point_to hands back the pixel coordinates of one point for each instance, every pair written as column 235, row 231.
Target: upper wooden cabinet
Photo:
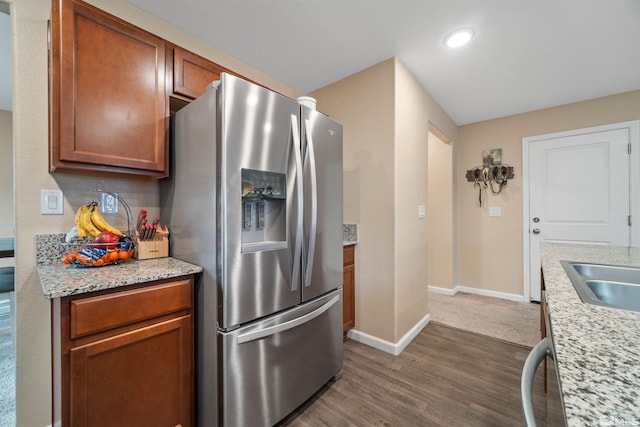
column 192, row 74
column 109, row 106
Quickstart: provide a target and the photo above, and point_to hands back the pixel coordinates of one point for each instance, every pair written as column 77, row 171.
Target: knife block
column 158, row 247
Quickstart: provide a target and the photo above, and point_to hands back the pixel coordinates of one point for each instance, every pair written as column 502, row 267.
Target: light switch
column 422, row 211
column 51, row 202
column 495, row 211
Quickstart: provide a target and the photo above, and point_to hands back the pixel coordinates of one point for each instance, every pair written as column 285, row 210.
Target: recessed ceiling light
column 459, row 37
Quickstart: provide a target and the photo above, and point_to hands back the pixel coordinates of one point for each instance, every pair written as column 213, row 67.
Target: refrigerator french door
column 256, row 199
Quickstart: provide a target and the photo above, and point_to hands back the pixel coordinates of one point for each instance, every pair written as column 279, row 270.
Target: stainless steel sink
column 606, row 285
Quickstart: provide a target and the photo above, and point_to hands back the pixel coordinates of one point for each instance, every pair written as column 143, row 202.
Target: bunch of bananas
column 89, row 221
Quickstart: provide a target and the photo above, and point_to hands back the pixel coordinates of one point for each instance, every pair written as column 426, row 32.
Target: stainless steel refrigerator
column 255, row 197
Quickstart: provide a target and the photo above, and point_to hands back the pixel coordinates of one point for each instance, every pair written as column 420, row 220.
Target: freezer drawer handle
column 539, row 352
column 272, row 330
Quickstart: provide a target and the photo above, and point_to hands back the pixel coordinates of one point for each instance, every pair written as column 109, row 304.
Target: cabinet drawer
column 99, row 313
column 348, row 254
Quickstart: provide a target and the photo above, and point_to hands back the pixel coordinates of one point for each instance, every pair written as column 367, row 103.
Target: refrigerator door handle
column 272, row 330
column 314, row 204
column 297, row 251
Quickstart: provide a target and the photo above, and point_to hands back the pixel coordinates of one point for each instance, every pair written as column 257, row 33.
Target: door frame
column 633, row 127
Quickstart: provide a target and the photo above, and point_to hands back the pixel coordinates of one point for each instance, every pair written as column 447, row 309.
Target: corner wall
column 364, row 104
column 386, row 116
column 413, row 109
column 489, row 249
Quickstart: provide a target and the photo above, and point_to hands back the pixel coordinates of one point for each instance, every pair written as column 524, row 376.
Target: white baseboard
column 387, row 346
column 439, row 290
column 484, row 292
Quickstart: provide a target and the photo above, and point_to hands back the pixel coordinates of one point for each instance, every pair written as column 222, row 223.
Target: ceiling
column 526, row 54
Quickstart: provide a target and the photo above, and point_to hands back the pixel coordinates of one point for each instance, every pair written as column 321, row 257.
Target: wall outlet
column 495, row 211
column 109, row 203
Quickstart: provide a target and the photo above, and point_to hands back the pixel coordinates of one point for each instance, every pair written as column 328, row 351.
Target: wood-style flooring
column 445, row 377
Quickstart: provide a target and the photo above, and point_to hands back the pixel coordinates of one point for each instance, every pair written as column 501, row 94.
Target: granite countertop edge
column 60, row 280
column 597, row 348
column 350, row 234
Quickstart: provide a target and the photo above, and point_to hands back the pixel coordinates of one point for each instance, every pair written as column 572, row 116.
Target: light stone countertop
column 60, row 280
column 350, row 234
column 597, row 348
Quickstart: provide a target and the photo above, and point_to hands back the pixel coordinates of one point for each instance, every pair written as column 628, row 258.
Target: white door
column 579, row 192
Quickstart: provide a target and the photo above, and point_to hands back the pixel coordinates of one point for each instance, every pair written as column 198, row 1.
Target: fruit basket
column 98, row 254
column 94, row 242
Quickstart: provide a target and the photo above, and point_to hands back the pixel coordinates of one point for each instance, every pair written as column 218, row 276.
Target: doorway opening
column 440, row 212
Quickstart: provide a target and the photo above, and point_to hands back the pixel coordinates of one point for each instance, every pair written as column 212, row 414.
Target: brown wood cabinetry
column 127, row 356
column 109, row 109
column 192, row 74
column 348, row 290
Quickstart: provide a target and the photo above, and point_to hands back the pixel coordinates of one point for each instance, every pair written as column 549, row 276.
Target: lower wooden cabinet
column 127, row 356
column 348, row 290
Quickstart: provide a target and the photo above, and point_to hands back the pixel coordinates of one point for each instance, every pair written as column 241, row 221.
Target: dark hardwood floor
column 445, row 377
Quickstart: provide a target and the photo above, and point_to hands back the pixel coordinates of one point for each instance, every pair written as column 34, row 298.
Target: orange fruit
column 113, row 256
column 123, row 254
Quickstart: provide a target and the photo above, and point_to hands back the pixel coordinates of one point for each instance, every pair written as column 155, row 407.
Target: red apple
column 109, row 239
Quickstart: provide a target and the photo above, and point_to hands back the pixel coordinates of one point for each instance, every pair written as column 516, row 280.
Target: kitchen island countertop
column 597, row 348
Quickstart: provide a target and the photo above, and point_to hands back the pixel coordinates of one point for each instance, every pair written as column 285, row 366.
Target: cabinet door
column 348, row 289
column 192, row 73
column 108, row 96
column 348, row 298
column 142, row 377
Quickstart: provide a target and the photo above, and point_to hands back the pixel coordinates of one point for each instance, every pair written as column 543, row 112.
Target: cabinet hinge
column 629, row 148
column 629, row 220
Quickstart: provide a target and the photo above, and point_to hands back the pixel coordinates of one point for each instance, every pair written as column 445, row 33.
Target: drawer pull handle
column 537, row 355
